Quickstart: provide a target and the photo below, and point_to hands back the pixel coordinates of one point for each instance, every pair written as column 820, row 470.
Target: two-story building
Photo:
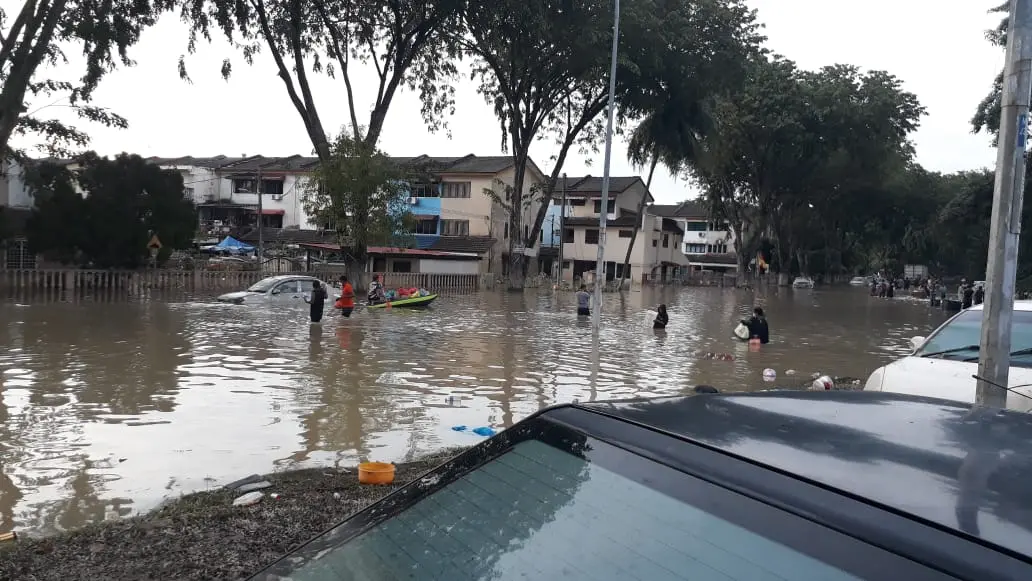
column 708, row 242
column 656, row 254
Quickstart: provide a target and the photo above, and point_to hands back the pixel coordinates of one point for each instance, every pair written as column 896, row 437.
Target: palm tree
column 669, row 135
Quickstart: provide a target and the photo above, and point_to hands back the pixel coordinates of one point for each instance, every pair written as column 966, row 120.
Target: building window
column 654, row 242
column 249, row 186
column 695, row 249
column 188, row 193
column 526, row 231
column 401, row 266
column 424, row 191
column 610, row 206
column 666, row 241
column 695, row 226
column 426, row 226
column 455, row 227
column 591, row 236
column 568, row 235
column 625, row 233
column 578, row 202
column 506, row 236
column 455, row 189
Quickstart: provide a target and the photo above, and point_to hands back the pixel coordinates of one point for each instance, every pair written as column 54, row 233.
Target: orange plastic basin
column 375, row 473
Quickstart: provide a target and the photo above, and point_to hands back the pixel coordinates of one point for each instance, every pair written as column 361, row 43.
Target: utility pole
column 261, row 219
column 562, row 234
column 603, row 210
column 1005, row 227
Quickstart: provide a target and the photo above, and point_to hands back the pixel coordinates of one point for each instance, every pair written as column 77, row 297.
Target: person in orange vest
column 346, row 302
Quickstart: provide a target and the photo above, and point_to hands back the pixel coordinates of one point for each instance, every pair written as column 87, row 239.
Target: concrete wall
column 13, row 192
column 438, row 266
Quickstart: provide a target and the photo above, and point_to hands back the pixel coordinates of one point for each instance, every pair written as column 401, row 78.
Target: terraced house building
column 461, row 224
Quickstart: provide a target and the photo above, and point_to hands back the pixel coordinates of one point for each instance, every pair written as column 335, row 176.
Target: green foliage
column 126, row 201
column 544, row 68
column 987, row 114
column 405, row 41
column 361, row 192
column 796, row 155
column 36, row 36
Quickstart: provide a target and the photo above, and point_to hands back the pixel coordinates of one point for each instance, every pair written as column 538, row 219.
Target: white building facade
column 709, row 243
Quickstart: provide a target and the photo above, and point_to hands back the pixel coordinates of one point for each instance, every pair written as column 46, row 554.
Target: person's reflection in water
column 344, row 337
column 314, row 342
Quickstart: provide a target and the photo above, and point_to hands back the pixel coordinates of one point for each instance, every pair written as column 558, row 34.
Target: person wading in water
column 346, row 302
column 583, row 302
column 758, row 328
column 317, row 300
column 661, row 318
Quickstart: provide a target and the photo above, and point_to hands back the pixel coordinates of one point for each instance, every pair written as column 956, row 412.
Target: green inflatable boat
column 409, row 303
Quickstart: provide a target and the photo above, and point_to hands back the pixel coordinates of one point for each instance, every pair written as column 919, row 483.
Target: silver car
column 277, row 289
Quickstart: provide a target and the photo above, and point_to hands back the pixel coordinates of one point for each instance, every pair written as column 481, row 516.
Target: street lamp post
column 1005, row 227
column 603, row 210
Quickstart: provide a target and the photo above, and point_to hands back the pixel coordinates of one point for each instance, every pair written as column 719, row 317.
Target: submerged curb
column 201, row 536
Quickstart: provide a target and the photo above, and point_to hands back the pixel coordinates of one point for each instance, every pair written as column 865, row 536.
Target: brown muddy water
column 107, row 408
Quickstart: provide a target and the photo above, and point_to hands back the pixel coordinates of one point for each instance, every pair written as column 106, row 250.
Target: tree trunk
column 641, row 210
column 517, row 278
column 24, row 59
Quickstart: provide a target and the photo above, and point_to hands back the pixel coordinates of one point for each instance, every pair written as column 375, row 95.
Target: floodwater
column 107, row 408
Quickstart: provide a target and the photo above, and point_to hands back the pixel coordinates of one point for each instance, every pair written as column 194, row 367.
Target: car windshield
column 959, row 339
column 263, row 285
column 538, row 512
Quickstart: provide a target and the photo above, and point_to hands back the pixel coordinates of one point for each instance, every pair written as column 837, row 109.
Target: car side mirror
column 917, row 341
column 274, row 292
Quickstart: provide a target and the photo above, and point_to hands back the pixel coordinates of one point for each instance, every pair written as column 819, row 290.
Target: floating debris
column 245, row 480
column 249, row 499
column 251, row 486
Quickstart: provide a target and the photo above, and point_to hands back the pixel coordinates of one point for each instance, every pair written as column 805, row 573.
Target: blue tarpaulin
column 230, row 244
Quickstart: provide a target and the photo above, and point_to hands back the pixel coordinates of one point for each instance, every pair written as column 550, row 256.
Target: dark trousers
column 583, row 312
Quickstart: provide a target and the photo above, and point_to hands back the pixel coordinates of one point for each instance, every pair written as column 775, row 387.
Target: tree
column 544, row 81
column 403, row 40
column 791, row 149
column 37, row 36
column 987, row 115
column 123, row 202
column 361, row 193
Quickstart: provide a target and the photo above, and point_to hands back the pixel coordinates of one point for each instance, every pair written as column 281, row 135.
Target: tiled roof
column 590, row 185
column 478, row 244
column 686, row 209
column 467, row 164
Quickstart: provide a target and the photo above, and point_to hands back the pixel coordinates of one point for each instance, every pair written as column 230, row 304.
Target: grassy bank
column 202, row 536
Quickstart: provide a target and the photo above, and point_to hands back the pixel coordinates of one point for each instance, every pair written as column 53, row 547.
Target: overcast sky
column 937, row 47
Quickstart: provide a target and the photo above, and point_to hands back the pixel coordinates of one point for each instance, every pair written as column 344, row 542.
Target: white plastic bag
column 742, row 332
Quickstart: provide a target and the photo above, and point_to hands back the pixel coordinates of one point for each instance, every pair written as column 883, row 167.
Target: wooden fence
column 199, row 281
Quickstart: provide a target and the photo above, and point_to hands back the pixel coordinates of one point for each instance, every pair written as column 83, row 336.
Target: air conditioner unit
column 701, row 234
column 413, row 201
column 276, row 197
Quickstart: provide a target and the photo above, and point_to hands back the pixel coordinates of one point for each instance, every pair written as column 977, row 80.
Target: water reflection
column 106, row 408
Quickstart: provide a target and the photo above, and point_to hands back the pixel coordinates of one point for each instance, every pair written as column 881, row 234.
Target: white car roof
column 1023, row 305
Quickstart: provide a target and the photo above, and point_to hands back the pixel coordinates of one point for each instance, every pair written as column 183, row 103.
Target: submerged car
column 802, row 282
column 860, row 281
column 276, row 288
column 775, row 486
column 944, row 363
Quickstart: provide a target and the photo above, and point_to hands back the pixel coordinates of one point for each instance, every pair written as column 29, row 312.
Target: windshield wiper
column 1018, row 353
column 948, row 351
